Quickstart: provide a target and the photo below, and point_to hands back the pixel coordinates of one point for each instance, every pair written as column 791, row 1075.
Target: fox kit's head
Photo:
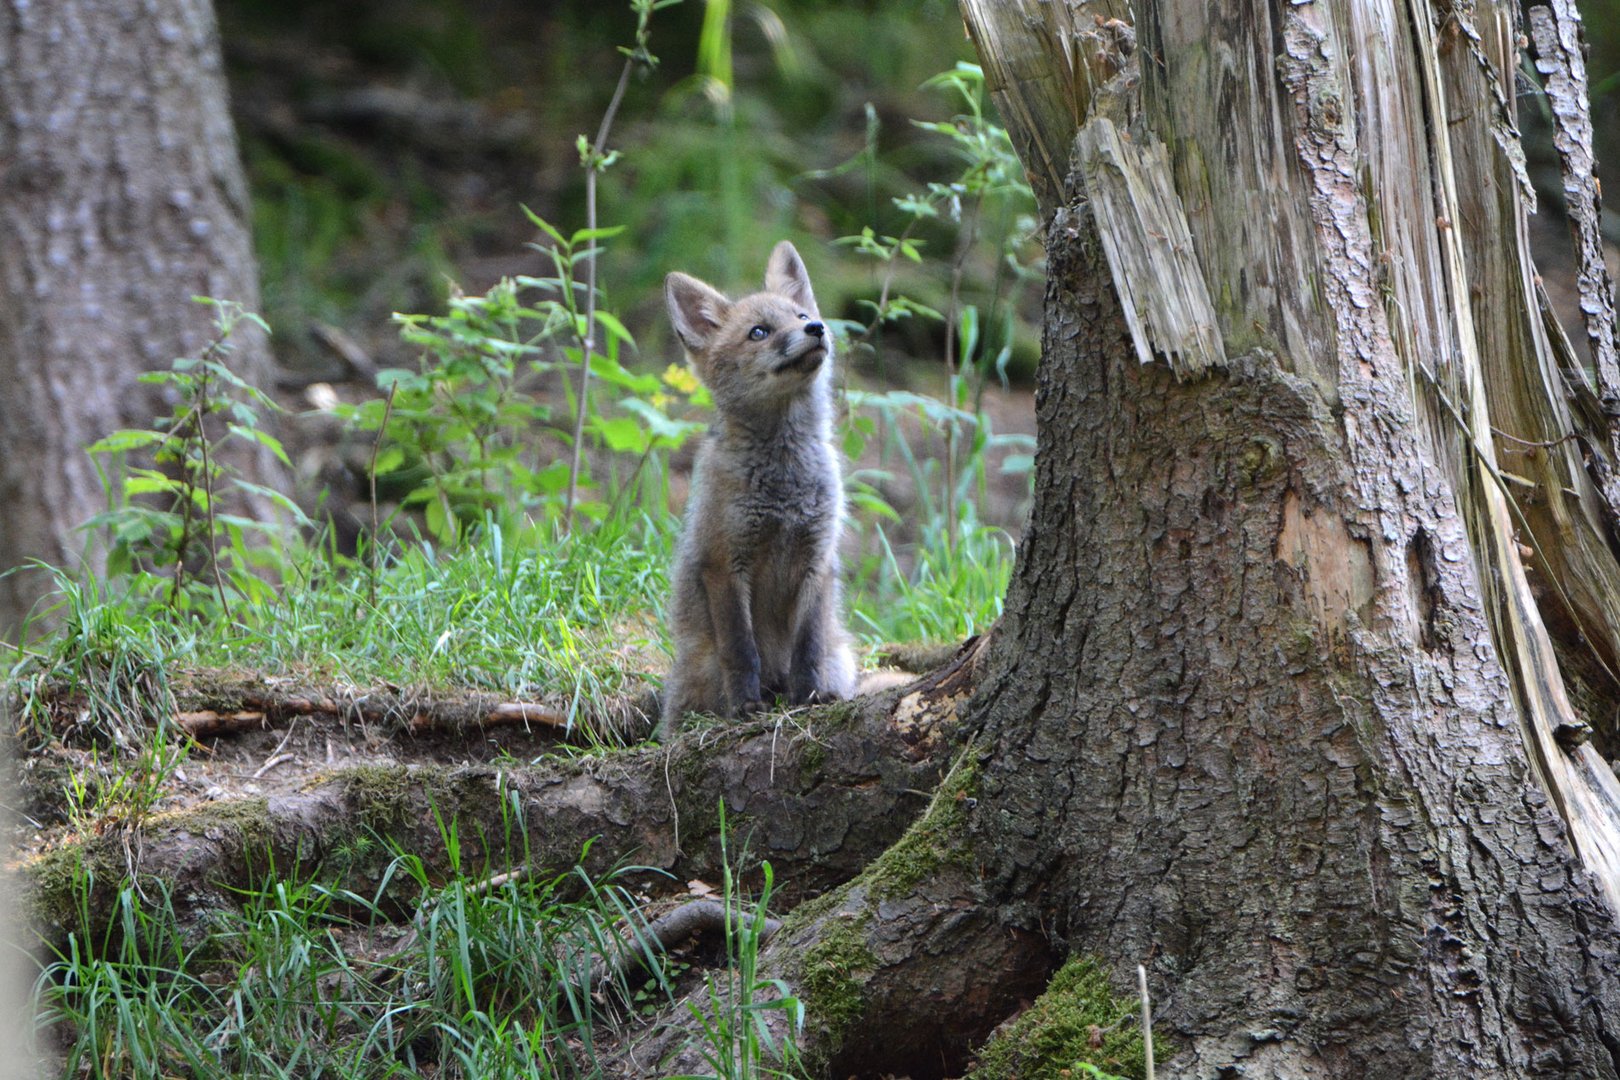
column 764, row 349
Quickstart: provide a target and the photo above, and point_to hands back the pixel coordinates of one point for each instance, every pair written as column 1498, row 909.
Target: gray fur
column 755, row 609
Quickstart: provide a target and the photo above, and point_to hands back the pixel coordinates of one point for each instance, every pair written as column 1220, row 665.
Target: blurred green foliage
column 389, row 145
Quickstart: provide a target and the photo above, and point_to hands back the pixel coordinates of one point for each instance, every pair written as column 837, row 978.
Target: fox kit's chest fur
column 754, row 608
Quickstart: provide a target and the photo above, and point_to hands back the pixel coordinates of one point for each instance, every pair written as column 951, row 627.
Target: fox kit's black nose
column 814, row 329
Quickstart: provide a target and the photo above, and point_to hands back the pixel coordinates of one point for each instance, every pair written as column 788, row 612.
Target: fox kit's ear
column 696, row 310
column 785, row 274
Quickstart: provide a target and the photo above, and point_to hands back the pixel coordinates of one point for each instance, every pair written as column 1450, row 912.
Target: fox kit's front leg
column 823, row 668
column 735, row 647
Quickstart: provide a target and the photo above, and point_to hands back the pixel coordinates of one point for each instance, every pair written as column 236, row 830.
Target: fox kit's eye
column 759, row 333
column 803, row 317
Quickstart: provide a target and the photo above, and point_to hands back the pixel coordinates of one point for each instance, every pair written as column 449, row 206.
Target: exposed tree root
column 693, row 918
column 894, row 982
column 818, row 792
column 456, row 716
column 903, row 971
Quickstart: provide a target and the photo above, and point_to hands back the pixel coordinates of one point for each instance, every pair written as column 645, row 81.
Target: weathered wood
column 1043, row 63
column 1150, row 250
column 1556, row 31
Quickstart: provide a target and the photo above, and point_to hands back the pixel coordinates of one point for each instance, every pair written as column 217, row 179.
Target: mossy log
column 820, row 794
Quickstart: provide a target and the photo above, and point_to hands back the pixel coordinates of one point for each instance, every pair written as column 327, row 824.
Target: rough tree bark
column 121, row 197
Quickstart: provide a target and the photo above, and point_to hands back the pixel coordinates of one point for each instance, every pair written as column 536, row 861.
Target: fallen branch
column 262, row 709
column 668, row 930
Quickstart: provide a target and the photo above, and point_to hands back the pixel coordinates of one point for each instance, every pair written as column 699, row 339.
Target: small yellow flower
column 681, row 378
column 659, row 400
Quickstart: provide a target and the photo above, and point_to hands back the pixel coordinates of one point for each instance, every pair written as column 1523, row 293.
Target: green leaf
column 613, row 373
column 854, row 442
column 544, row 226
column 148, row 482
column 440, row 524
column 292, row 509
column 120, row 442
column 1017, row 464
column 603, row 232
column 621, row 434
column 874, row 504
column 552, row 479
column 405, row 379
column 615, row 327
column 669, row 433
column 264, row 439
column 389, row 460
column 968, row 335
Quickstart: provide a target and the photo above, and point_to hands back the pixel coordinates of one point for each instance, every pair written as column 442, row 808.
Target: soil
column 282, row 737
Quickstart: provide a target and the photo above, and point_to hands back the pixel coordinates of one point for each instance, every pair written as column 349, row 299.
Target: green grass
column 306, row 980
column 483, row 981
column 576, row 619
column 946, row 593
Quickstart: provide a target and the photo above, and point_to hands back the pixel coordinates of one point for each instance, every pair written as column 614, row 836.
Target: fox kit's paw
column 752, row 707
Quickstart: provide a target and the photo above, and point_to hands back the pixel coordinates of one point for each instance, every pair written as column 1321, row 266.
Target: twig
column 1147, row 1018
column 490, row 884
column 192, row 419
column 276, row 755
column 269, row 709
column 376, row 449
column 208, row 498
column 272, row 763
column 592, row 170
column 952, row 366
column 1546, row 444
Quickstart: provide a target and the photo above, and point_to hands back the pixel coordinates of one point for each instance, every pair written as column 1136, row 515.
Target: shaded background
column 389, row 145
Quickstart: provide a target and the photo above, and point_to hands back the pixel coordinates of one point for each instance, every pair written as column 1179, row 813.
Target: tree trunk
column 121, row 197
column 1273, row 707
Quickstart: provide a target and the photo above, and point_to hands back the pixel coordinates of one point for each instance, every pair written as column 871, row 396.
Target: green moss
column 832, row 978
column 813, row 758
column 379, row 793
column 249, row 819
column 60, row 877
column 78, row 877
column 938, row 838
column 1053, row 1039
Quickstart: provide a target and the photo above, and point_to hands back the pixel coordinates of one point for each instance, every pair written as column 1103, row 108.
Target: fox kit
column 755, row 610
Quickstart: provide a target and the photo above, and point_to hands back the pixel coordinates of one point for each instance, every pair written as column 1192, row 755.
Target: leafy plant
column 451, row 435
column 469, row 437
column 171, row 516
column 978, row 345
column 460, row 432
